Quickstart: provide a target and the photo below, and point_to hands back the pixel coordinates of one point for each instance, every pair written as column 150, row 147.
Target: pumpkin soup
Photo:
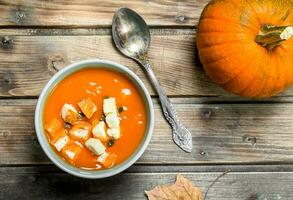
column 95, row 118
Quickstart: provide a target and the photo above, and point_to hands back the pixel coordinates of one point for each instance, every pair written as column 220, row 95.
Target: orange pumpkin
column 246, row 47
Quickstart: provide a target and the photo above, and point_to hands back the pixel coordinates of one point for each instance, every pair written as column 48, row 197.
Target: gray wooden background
column 253, row 139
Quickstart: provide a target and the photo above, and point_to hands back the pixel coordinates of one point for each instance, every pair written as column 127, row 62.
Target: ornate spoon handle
column 181, row 136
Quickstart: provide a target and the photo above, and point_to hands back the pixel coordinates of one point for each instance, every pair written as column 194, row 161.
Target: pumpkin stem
column 271, row 36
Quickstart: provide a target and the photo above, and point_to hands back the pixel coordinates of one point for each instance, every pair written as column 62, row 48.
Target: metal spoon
column 132, row 37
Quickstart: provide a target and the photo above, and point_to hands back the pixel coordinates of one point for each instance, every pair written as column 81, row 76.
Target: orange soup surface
column 94, row 86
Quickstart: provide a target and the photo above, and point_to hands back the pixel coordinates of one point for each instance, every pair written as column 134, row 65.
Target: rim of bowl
column 61, row 75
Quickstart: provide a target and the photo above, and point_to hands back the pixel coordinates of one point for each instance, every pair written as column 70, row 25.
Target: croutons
column 53, row 126
column 54, row 136
column 88, row 107
column 114, row 132
column 71, row 151
column 107, row 159
column 99, row 131
column 80, row 131
column 112, row 120
column 84, row 131
column 61, row 142
column 69, row 113
column 109, row 105
column 95, row 146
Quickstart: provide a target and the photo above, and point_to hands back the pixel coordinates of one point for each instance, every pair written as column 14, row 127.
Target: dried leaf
column 183, row 189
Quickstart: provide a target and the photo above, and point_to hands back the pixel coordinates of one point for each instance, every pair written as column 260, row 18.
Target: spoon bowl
column 130, row 33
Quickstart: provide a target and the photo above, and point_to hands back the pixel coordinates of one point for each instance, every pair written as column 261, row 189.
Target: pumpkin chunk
column 53, row 126
column 107, row 159
column 54, row 136
column 71, row 151
column 88, row 107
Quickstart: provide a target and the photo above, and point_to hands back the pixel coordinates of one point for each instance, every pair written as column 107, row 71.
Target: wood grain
column 222, row 133
column 28, row 62
column 252, row 138
column 97, row 12
column 59, row 31
column 39, row 183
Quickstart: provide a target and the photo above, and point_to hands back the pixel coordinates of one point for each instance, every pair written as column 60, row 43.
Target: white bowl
column 93, row 63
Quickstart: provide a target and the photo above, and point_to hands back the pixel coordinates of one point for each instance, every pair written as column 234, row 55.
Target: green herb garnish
column 103, row 118
column 121, row 109
column 67, row 125
column 80, row 115
column 111, row 142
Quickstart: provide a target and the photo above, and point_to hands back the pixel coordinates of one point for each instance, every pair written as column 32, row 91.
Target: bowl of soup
column 94, row 118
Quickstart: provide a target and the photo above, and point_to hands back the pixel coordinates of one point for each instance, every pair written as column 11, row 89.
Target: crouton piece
column 53, row 126
column 109, row 106
column 95, row 146
column 99, row 131
column 61, row 142
column 71, row 151
column 54, row 136
column 112, row 120
column 114, row 132
column 80, row 131
column 88, row 107
column 69, row 113
column 107, row 159
column 110, row 111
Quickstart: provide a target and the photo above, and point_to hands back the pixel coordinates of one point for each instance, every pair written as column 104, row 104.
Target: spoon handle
column 181, row 136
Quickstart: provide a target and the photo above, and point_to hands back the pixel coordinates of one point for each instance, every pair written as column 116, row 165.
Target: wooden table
column 254, row 139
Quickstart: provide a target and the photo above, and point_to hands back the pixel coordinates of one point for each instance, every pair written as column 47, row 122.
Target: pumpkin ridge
column 223, row 43
column 229, row 21
column 220, row 59
column 281, row 63
column 219, row 32
column 266, row 78
column 207, row 64
column 285, row 16
column 282, row 47
column 247, row 17
column 248, row 87
column 236, row 76
column 256, row 13
column 286, row 79
column 223, row 58
column 278, row 80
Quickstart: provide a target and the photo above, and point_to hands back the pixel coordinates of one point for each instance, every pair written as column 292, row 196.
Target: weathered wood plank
column 97, row 13
column 44, row 31
column 222, row 133
column 186, row 168
column 27, row 63
column 42, row 184
column 162, row 168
